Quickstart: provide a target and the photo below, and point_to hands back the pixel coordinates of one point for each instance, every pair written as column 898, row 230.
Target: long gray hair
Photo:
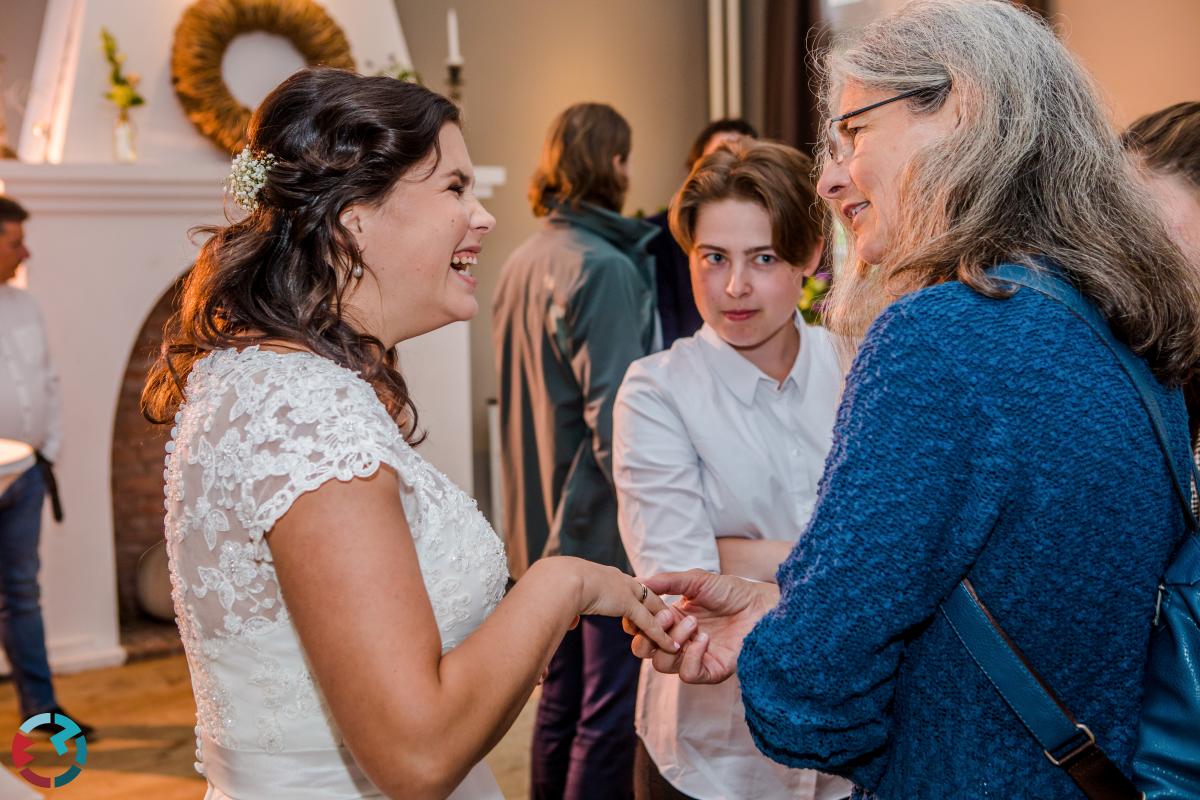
column 1034, row 168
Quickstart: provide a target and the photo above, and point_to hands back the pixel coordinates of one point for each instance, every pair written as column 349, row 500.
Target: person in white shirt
column 719, row 446
column 29, row 414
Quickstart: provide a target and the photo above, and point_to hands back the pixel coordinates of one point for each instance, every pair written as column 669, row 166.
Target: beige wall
column 528, row 59
column 1145, row 55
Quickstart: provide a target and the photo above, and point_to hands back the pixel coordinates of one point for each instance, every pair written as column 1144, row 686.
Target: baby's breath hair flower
column 248, row 176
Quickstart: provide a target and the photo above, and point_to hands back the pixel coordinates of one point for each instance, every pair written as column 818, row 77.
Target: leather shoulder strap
column 1066, row 743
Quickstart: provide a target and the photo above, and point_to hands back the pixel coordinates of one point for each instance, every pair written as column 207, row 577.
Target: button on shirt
column 706, row 445
column 29, row 398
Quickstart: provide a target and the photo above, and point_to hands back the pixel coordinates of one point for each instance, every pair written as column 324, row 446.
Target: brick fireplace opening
column 137, row 488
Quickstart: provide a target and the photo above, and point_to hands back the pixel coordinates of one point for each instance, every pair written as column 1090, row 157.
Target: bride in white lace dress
column 338, row 598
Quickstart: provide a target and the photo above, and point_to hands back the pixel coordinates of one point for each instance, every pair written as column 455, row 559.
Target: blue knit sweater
column 995, row 439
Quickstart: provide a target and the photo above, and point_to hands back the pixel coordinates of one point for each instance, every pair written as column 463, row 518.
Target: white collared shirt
column 706, row 445
column 29, row 400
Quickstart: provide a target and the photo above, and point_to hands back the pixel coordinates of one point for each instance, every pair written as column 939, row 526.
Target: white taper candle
column 455, row 59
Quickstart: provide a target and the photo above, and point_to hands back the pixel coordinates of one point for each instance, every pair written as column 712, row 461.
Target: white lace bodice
column 257, row 430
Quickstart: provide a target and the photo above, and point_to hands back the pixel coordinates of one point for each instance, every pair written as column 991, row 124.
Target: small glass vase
column 124, row 139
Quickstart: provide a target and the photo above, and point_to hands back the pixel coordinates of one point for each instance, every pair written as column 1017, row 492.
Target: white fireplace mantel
column 107, row 241
column 140, row 188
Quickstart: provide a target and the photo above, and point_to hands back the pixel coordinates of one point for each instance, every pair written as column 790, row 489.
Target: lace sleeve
column 257, row 430
column 278, row 430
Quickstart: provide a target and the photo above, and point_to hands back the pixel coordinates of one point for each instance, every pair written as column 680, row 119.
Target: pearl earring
column 357, row 272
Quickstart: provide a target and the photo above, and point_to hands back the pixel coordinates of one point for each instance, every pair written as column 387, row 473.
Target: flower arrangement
column 395, row 69
column 247, row 177
column 815, row 289
column 122, row 90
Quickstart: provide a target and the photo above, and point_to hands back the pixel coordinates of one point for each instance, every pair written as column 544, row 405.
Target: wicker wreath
column 205, row 31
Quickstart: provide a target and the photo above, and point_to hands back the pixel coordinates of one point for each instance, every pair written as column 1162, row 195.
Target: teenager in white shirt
column 719, row 445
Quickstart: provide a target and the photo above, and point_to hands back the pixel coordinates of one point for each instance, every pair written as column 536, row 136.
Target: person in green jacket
column 574, row 308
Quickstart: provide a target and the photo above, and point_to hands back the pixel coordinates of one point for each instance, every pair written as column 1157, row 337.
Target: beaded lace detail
column 257, row 430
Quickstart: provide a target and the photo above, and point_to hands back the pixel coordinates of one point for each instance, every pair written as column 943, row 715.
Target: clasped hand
column 713, row 616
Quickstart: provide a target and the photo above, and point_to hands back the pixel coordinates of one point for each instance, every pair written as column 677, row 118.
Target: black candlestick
column 455, row 82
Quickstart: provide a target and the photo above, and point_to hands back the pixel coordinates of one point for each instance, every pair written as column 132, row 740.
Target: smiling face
column 419, row 246
column 743, row 290
column 864, row 188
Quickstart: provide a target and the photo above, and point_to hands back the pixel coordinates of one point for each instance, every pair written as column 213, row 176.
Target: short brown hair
column 576, row 165
column 11, row 210
column 1169, row 140
column 777, row 177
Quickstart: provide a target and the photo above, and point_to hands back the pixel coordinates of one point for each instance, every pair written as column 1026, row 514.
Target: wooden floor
column 144, row 748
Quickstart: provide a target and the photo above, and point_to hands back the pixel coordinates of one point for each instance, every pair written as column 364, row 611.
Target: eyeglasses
column 841, row 140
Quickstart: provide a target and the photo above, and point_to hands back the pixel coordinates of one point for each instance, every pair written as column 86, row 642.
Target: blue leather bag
column 1167, row 758
column 1166, row 763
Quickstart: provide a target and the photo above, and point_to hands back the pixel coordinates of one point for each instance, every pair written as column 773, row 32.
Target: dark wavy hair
column 724, row 125
column 11, row 210
column 281, row 272
column 576, row 165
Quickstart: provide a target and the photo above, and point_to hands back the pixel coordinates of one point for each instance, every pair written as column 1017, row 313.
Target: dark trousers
column 648, row 782
column 21, row 629
column 583, row 738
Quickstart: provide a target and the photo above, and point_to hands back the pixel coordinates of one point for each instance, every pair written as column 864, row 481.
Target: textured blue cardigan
column 995, row 439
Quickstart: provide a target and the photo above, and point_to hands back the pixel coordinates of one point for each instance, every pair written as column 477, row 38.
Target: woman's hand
column 606, row 591
column 719, row 610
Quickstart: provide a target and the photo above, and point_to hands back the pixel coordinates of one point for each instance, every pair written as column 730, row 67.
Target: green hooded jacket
column 574, row 308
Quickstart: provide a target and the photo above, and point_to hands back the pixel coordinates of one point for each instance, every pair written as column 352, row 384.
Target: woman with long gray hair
column 985, row 433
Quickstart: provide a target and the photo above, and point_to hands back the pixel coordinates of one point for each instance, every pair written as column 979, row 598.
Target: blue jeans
column 583, row 737
column 21, row 628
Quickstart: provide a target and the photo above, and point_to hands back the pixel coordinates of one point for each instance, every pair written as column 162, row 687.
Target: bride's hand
column 606, row 591
column 720, row 610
